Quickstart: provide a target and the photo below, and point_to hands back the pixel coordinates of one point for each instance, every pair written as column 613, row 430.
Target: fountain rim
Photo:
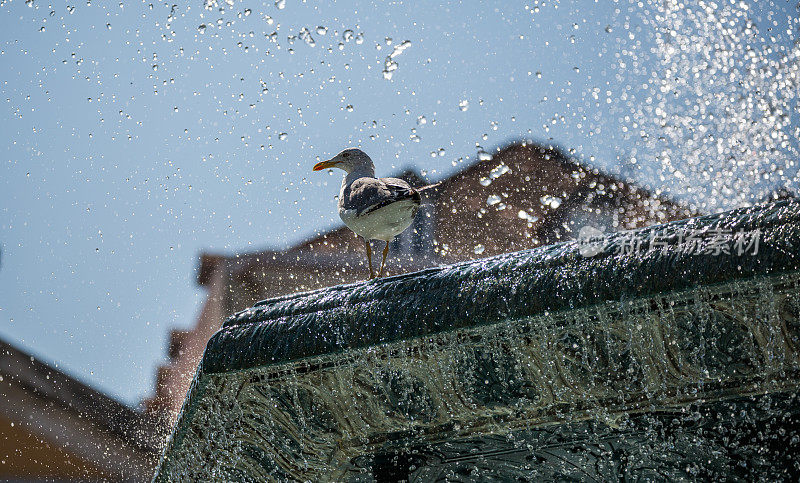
column 509, row 286
column 203, row 379
column 562, row 253
column 228, row 350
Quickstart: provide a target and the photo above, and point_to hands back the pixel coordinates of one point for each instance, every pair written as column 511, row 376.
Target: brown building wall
column 187, row 348
column 551, row 191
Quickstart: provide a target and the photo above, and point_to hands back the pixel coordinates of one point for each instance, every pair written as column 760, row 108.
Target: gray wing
column 365, row 195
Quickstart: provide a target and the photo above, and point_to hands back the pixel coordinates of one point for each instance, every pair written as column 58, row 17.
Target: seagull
column 374, row 208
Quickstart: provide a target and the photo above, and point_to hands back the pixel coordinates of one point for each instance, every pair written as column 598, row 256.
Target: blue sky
column 135, row 138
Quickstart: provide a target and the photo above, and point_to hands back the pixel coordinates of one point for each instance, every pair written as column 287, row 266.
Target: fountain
column 670, row 352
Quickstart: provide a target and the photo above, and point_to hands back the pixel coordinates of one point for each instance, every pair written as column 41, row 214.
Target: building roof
column 50, row 384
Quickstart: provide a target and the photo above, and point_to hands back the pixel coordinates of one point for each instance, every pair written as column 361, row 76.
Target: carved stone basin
column 671, row 352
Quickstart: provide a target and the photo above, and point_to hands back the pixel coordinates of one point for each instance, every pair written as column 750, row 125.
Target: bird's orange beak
column 323, row 164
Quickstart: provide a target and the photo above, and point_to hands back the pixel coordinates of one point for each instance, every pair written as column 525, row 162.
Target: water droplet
column 389, row 64
column 29, row 3
column 551, row 201
column 305, row 35
column 493, row 200
column 499, row 170
column 349, row 108
column 247, row 12
column 201, row 28
column 463, row 105
column 478, row 249
column 281, row 4
column 283, row 136
column 421, row 120
column 322, row 30
column 347, row 35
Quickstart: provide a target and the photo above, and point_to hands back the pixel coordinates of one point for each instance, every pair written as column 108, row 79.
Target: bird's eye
column 345, row 155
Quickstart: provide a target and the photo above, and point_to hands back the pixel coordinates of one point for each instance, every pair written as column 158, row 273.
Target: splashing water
column 717, row 120
column 551, row 201
column 499, row 170
column 306, row 37
column 389, row 64
column 484, row 156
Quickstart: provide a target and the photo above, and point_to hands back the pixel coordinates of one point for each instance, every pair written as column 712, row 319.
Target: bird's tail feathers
column 430, row 186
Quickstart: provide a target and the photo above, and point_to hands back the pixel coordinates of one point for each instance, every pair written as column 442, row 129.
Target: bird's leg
column 385, row 252
column 369, row 258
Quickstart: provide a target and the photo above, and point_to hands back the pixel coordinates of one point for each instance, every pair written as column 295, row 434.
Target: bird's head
column 348, row 160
